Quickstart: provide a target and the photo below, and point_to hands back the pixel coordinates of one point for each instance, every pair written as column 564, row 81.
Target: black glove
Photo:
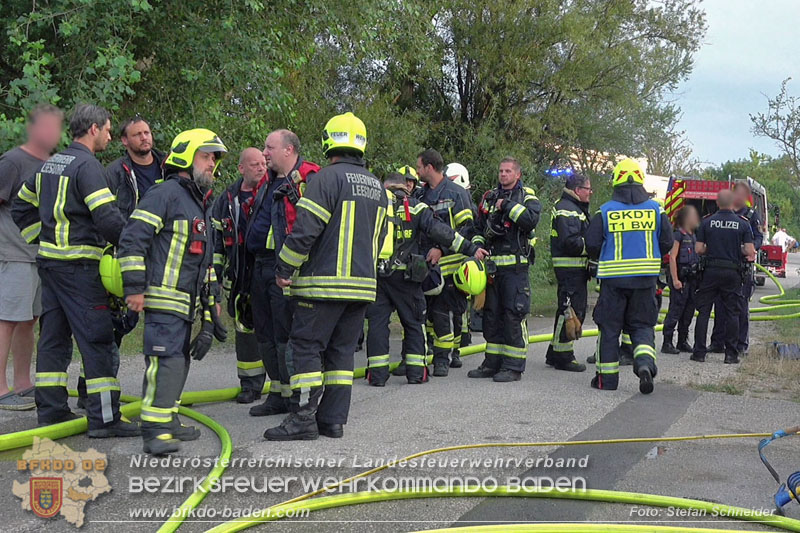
column 220, row 333
column 592, row 268
column 202, row 342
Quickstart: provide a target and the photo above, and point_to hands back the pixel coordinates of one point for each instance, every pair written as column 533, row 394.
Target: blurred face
column 203, row 169
column 509, row 175
column 253, row 166
column 138, row 139
column 425, row 172
column 584, row 192
column 45, row 131
column 102, row 136
column 410, row 186
column 692, row 220
column 740, row 197
column 280, row 156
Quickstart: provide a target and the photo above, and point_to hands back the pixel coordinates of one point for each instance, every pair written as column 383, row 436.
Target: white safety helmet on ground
column 458, row 173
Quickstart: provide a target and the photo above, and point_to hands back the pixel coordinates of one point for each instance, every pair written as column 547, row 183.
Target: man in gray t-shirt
column 20, row 300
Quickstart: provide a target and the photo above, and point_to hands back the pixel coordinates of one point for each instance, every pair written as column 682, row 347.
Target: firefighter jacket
column 508, row 232
column 166, row 248
column 569, row 222
column 122, row 181
column 68, row 208
column 407, row 221
column 629, row 235
column 334, row 241
column 450, row 203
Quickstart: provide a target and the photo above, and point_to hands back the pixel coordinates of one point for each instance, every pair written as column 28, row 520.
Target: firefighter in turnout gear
column 507, row 217
column 725, row 241
column 68, row 208
column 628, row 237
column 166, row 256
column 569, row 221
column 274, row 214
column 401, row 270
column 230, row 214
column 451, row 204
column 684, row 266
column 328, row 262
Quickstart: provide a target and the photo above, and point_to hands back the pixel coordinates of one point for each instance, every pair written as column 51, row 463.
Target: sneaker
column 482, row 372
column 269, row 407
column 294, row 427
column 507, row 376
column 572, row 366
column 455, row 361
column 163, row 444
column 121, row 428
column 440, row 370
column 645, row 381
column 667, row 347
column 64, row 418
column 15, row 402
column 248, row 396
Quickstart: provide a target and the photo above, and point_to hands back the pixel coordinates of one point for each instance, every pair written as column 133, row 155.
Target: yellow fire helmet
column 344, row 131
column 627, row 171
column 110, row 272
column 189, row 142
column 409, row 172
column 471, row 277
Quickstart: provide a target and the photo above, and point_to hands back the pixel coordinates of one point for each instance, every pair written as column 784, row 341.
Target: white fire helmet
column 457, row 173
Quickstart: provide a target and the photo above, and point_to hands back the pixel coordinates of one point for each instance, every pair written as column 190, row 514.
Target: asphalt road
column 399, row 419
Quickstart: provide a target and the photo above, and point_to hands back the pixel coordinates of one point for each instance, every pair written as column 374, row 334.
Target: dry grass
column 762, row 374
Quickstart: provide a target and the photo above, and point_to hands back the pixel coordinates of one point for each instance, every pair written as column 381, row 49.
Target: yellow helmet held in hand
column 471, row 277
column 344, row 132
column 627, row 171
column 110, row 272
column 409, row 172
column 189, row 142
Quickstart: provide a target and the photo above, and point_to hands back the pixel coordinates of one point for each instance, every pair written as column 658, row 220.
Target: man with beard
column 68, row 207
column 166, row 255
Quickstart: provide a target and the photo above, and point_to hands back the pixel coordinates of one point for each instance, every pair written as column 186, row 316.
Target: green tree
column 781, row 123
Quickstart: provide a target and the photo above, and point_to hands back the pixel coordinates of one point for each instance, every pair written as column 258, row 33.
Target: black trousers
column 634, row 311
column 75, row 304
column 322, row 343
column 249, row 366
column 571, row 286
column 725, row 284
column 394, row 293
column 721, row 317
column 507, row 304
column 441, row 310
column 267, row 299
column 681, row 311
column 166, row 352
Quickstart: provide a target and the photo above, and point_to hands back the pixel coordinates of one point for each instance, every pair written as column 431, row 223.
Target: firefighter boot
column 455, row 360
column 669, row 348
column 121, row 428
column 401, row 369
column 273, row 405
column 482, row 372
column 181, row 432
column 645, row 381
column 163, row 444
column 301, row 425
column 506, row 376
column 684, row 346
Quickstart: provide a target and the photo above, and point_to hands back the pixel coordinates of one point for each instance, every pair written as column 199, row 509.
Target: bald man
column 231, row 213
column 724, row 240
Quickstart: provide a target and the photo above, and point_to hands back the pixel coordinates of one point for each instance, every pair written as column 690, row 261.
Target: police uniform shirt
column 724, row 232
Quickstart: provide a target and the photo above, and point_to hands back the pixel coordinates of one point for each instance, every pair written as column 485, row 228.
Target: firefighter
column 451, row 204
column 725, row 241
column 569, row 222
column 627, row 237
column 507, row 216
column 69, row 208
column 401, row 271
column 166, row 257
column 328, row 261
column 684, row 266
column 741, row 206
column 230, row 214
column 412, row 180
column 274, row 213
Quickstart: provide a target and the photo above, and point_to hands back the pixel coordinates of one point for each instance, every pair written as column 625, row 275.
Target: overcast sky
column 750, row 47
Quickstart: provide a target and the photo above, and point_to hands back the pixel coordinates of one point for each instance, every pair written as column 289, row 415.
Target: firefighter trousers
column 394, row 293
column 322, row 343
column 249, row 366
column 681, row 311
column 267, row 299
column 441, row 309
column 75, row 304
column 634, row 310
column 719, row 332
column 572, row 287
column 725, row 285
column 166, row 353
column 507, row 304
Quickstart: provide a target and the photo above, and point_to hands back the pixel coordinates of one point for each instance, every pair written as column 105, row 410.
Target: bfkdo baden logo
column 62, row 480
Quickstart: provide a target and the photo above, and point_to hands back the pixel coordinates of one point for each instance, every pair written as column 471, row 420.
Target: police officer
column 69, row 208
column 507, row 216
column 230, row 214
column 273, row 217
column 401, row 270
column 166, row 257
column 627, row 237
column 725, row 241
column 741, row 199
column 328, row 261
column 683, row 270
column 450, row 204
column 569, row 222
